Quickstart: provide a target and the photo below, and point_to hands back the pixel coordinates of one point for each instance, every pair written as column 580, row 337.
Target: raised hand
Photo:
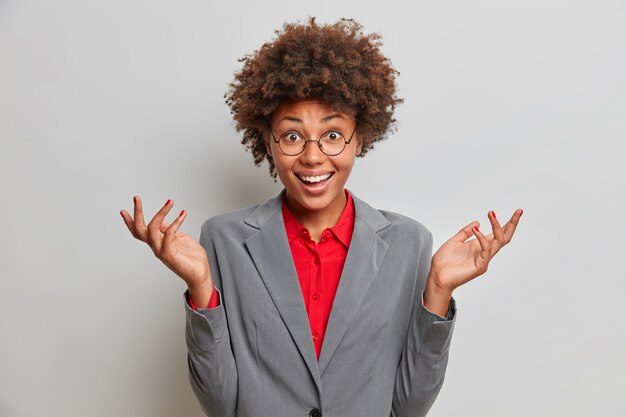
column 177, row 250
column 458, row 261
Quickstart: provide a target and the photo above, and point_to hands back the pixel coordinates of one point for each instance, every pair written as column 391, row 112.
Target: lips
column 316, row 189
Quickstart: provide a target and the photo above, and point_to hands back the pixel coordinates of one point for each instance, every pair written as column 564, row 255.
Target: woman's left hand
column 457, row 261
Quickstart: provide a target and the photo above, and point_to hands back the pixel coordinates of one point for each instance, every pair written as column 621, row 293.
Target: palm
column 458, row 260
column 177, row 250
column 187, row 258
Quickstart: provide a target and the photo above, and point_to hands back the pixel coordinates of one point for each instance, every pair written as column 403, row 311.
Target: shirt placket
column 316, row 299
column 316, row 284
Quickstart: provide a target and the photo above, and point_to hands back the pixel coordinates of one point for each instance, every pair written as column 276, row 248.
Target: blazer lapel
column 365, row 255
column 271, row 254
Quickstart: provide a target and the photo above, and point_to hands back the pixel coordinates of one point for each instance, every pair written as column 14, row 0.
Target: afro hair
column 335, row 63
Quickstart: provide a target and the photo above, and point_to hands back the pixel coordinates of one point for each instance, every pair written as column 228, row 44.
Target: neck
column 317, row 220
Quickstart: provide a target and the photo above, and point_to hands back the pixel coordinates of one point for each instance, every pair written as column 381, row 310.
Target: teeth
column 315, row 179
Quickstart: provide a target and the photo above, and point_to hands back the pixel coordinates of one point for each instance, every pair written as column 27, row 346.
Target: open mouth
column 315, row 180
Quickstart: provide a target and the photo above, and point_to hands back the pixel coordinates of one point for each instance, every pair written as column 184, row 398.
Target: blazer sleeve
column 424, row 357
column 211, row 363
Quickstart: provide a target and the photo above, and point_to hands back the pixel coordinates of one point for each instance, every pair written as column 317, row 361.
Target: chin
column 314, row 203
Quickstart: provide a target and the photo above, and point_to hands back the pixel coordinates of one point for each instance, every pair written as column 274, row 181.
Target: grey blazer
column 384, row 354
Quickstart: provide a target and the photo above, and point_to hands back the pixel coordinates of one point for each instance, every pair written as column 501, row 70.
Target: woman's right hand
column 177, row 250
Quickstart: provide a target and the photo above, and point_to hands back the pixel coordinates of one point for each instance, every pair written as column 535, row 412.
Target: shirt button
column 316, row 296
column 316, row 261
column 326, row 234
column 316, row 336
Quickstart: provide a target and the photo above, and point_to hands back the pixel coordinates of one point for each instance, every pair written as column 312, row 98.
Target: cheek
column 345, row 164
column 282, row 165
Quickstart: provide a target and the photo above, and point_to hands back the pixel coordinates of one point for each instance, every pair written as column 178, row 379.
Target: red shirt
column 318, row 266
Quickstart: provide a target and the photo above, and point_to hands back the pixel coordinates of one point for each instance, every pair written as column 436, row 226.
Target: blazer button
column 315, row 413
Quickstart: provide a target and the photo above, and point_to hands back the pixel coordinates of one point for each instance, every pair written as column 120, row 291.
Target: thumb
column 465, row 233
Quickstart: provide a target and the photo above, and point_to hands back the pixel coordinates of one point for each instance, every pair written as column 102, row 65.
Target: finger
column 129, row 223
column 465, row 232
column 497, row 233
column 170, row 233
column 485, row 253
column 164, row 226
column 140, row 225
column 154, row 227
column 511, row 225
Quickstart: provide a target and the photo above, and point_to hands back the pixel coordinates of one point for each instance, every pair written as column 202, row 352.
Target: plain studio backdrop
column 507, row 105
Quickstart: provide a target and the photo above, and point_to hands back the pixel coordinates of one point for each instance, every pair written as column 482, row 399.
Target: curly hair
column 335, row 63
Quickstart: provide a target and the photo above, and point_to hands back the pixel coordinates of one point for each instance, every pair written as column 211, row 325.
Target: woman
column 313, row 302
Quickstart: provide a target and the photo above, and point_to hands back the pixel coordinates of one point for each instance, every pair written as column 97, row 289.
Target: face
column 312, row 118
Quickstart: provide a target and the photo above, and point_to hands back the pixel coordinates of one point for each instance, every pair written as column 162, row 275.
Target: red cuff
column 215, row 299
column 213, row 302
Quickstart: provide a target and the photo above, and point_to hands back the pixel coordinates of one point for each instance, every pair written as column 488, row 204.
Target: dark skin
column 177, row 250
column 459, row 260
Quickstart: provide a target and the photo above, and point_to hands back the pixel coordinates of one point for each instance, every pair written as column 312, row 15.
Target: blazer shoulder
column 229, row 222
column 406, row 226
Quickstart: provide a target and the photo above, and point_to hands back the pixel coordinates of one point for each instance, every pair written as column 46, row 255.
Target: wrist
column 200, row 286
column 435, row 284
column 436, row 297
column 200, row 293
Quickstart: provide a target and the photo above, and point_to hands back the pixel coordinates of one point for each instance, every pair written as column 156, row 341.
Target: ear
column 268, row 148
column 359, row 145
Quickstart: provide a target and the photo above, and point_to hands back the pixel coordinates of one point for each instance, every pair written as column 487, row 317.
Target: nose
column 312, row 154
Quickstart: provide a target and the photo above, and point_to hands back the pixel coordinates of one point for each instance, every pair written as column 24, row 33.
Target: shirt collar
column 342, row 230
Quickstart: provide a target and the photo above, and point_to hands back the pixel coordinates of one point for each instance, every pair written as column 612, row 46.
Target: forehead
column 306, row 109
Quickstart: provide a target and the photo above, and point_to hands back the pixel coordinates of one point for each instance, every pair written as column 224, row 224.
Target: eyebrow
column 323, row 119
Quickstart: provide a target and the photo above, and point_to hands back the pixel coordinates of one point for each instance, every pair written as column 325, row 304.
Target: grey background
column 508, row 104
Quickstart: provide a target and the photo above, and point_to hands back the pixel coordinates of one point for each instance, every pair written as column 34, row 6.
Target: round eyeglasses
column 293, row 143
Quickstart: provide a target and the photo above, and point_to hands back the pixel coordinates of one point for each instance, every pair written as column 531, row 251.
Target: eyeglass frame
column 319, row 143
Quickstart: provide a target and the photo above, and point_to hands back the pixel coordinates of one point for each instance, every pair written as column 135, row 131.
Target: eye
column 291, row 136
column 333, row 136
